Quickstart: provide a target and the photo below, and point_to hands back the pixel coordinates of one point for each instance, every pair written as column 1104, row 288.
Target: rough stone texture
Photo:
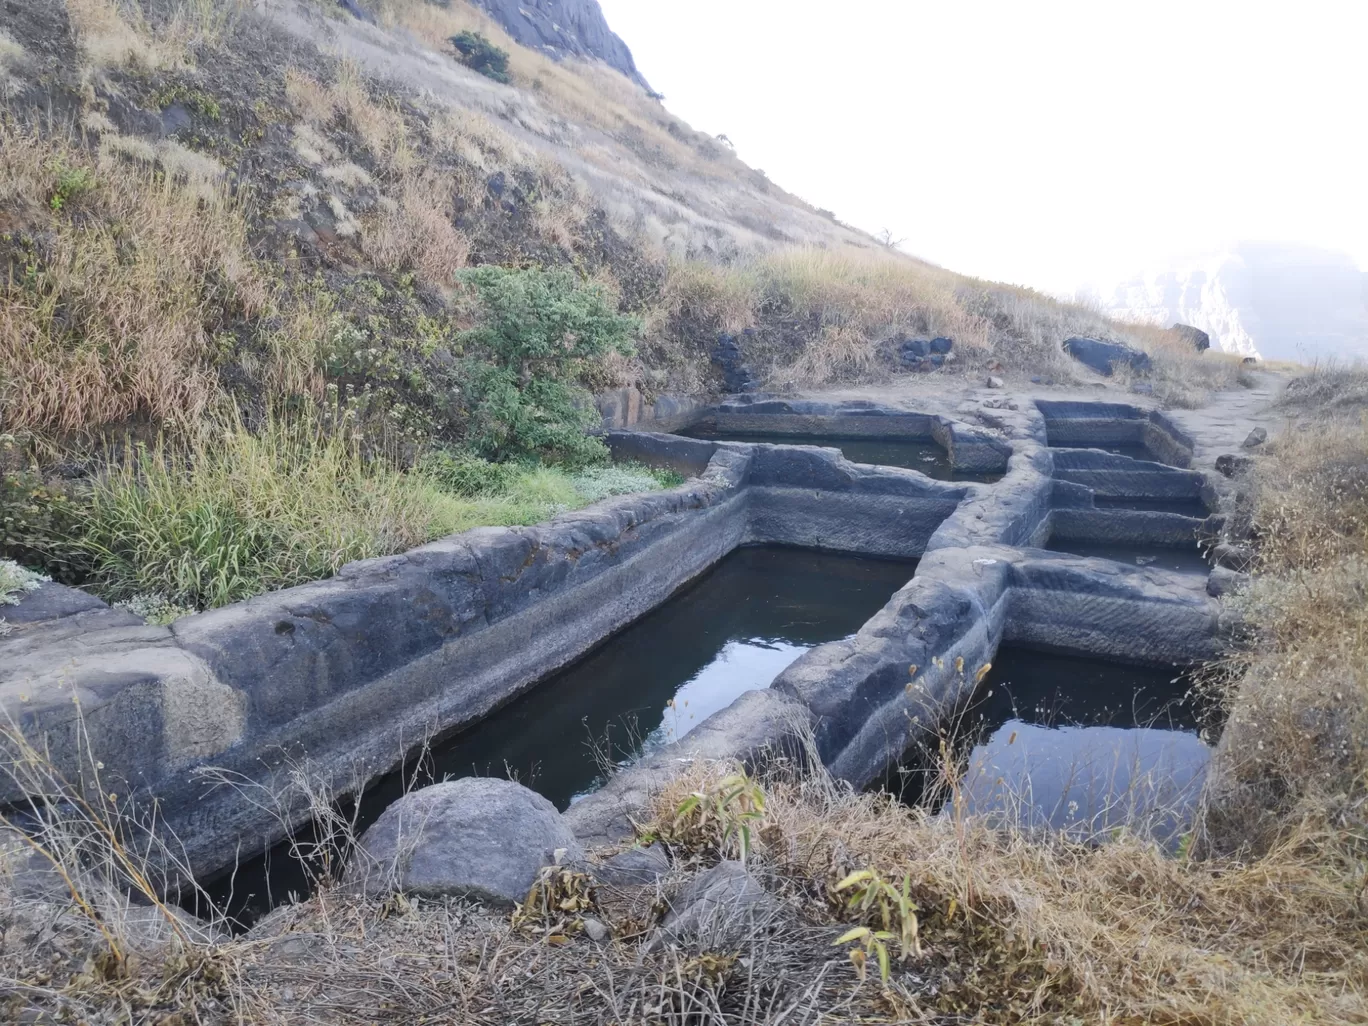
column 731, row 361
column 1103, row 356
column 717, row 909
column 1223, row 581
column 627, row 408
column 475, row 837
column 634, row 867
column 564, row 28
column 1195, row 337
column 1230, row 465
column 1256, row 438
column 354, row 670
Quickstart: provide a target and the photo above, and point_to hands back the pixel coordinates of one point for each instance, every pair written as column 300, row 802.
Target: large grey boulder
column 1102, row 356
column 477, row 837
column 1195, row 337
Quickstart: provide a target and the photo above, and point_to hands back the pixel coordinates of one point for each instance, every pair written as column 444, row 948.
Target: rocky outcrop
column 477, row 837
column 564, row 28
column 1103, row 356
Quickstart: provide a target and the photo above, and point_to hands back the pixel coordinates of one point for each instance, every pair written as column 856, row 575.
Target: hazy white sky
column 1045, row 143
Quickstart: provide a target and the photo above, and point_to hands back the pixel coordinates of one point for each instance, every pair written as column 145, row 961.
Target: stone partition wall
column 353, row 673
column 980, row 582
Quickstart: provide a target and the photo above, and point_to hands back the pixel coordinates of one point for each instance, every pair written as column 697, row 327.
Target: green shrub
column 37, row 523
column 540, row 331
column 478, row 54
column 463, row 473
column 594, row 483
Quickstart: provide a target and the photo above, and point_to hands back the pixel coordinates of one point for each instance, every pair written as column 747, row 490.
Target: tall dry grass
column 1295, row 750
column 112, row 312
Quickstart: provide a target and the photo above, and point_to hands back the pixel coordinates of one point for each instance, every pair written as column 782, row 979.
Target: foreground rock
column 477, row 837
column 717, row 909
column 1103, row 356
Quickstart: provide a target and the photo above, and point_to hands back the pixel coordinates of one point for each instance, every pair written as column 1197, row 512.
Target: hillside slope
column 244, row 232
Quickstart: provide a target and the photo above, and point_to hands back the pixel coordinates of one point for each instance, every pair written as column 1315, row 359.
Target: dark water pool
column 1082, row 745
column 1187, row 559
column 924, row 455
column 732, row 630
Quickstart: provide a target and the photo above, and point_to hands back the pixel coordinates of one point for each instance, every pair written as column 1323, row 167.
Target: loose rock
column 476, row 837
column 995, row 382
column 717, row 908
column 1102, row 356
column 634, row 867
column 1195, row 337
column 1231, row 465
column 1256, row 438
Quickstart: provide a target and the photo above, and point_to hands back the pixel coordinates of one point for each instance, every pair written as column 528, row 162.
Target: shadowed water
column 923, row 455
column 1083, row 746
column 732, row 630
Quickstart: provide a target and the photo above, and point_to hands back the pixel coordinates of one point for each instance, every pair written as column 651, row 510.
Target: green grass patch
column 236, row 513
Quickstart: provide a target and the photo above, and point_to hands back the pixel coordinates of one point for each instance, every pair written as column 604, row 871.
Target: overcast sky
column 1050, row 144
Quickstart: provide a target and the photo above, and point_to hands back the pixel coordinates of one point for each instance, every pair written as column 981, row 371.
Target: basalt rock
column 1103, row 356
column 1231, row 465
column 1256, row 438
column 476, row 837
column 1195, row 337
column 731, row 361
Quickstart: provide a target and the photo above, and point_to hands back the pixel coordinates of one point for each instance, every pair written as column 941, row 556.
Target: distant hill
column 1275, row 300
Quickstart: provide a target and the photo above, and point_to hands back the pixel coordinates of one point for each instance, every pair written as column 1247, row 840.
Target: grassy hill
column 226, row 226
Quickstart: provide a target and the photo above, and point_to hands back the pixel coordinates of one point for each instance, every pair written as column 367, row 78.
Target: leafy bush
column 541, row 329
column 480, row 55
column 37, row 523
column 15, row 581
column 464, row 473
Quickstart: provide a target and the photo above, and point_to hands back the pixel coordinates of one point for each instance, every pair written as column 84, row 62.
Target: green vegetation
column 238, row 512
column 538, row 332
column 479, row 54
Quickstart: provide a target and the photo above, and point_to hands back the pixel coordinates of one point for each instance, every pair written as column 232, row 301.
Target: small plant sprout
column 894, row 915
column 720, row 818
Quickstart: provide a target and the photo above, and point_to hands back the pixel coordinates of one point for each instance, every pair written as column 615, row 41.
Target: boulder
column 716, row 909
column 923, row 354
column 1195, row 337
column 1231, row 465
column 1102, row 356
column 736, row 376
column 995, row 382
column 477, row 837
column 634, row 867
column 1233, row 557
column 1256, row 438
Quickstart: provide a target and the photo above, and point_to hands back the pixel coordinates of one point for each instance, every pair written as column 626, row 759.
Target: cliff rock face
column 1277, row 301
column 564, row 27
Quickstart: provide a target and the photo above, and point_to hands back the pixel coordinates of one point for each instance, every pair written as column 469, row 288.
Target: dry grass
column 1009, row 931
column 113, row 319
column 1296, row 744
column 416, row 232
column 1326, row 388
